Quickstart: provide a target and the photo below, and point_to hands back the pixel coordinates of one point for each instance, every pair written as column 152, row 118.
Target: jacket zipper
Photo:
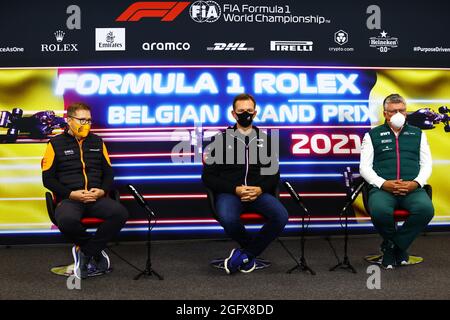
column 247, row 160
column 398, row 156
column 246, row 164
column 246, row 157
column 80, row 145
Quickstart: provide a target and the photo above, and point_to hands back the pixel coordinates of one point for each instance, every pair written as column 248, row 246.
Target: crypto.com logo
column 167, row 11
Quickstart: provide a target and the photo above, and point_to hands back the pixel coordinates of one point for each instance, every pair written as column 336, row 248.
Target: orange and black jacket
column 69, row 165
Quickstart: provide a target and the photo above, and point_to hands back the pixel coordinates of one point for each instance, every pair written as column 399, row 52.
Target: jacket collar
column 405, row 127
column 233, row 134
column 67, row 134
column 235, row 128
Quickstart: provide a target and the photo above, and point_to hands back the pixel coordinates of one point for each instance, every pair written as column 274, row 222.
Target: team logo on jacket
column 260, row 143
column 69, row 152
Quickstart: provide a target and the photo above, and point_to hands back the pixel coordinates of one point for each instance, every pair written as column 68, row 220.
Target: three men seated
column 241, row 168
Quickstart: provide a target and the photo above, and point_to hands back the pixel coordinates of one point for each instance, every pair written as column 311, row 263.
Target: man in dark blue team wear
column 241, row 167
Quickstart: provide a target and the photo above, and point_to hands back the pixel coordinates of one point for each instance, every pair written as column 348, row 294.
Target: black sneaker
column 401, row 257
column 102, row 262
column 388, row 249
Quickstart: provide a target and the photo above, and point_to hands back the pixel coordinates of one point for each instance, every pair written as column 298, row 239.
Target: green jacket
column 396, row 157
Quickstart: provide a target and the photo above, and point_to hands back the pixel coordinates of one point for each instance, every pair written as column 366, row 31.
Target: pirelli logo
column 299, row 46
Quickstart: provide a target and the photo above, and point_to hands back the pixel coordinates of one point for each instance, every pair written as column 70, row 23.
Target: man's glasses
column 395, row 111
column 82, row 120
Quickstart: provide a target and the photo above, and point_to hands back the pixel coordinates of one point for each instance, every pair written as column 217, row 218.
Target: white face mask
column 398, row 120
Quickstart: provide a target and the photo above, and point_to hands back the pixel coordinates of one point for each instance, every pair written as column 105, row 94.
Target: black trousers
column 68, row 216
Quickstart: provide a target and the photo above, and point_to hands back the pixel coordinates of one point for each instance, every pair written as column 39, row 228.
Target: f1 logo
column 167, row 11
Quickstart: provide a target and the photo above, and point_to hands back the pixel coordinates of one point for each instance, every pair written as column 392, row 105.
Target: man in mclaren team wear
column 241, row 168
column 77, row 169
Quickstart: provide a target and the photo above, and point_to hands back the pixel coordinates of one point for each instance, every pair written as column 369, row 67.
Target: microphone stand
column 301, row 264
column 345, row 264
column 148, row 271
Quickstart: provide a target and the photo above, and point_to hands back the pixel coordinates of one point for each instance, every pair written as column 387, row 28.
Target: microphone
column 354, row 193
column 140, row 199
column 294, row 195
column 350, row 178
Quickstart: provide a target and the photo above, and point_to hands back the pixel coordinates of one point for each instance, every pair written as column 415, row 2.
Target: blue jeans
column 229, row 209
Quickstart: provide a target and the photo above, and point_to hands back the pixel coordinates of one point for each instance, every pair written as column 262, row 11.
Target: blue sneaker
column 234, row 261
column 79, row 262
column 84, row 265
column 102, row 262
column 248, row 266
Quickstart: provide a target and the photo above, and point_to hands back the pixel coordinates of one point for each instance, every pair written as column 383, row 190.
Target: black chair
column 246, row 217
column 400, row 215
column 51, row 201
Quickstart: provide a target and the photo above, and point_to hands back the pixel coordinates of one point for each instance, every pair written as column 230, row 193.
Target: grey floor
column 24, row 273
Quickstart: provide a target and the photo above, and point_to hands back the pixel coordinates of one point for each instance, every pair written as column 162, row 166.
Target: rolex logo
column 59, row 47
column 59, row 35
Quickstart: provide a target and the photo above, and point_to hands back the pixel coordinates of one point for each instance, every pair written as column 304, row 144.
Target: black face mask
column 245, row 118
